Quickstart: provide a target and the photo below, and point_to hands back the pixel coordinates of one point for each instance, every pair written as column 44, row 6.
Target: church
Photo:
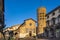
column 27, row 29
column 30, row 27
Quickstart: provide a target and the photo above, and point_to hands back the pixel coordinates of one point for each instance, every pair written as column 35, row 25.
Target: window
column 53, row 14
column 53, row 21
column 47, row 16
column 41, row 13
column 59, row 18
column 48, row 23
column 42, row 18
column 30, row 24
column 16, row 33
column 59, row 11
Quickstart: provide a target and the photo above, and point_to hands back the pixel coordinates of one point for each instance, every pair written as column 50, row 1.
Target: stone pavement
column 39, row 39
column 48, row 39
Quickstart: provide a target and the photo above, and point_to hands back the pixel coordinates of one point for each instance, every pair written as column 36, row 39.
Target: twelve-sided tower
column 41, row 19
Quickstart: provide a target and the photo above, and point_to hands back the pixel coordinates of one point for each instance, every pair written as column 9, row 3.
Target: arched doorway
column 30, row 33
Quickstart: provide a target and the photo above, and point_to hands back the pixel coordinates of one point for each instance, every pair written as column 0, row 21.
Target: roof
column 41, row 7
column 53, row 10
column 24, row 22
column 15, row 25
column 12, row 27
column 30, row 19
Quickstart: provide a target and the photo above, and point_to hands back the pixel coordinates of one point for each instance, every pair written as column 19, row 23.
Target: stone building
column 1, row 14
column 12, row 28
column 2, row 25
column 53, row 23
column 27, row 29
column 41, row 19
column 9, row 32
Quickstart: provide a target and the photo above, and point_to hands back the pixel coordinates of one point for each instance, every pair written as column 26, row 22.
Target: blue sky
column 16, row 11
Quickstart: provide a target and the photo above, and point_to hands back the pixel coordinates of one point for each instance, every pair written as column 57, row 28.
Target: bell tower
column 41, row 18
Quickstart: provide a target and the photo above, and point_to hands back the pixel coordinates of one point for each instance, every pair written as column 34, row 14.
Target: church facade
column 27, row 29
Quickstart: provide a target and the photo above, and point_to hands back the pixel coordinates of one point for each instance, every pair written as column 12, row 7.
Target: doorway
column 30, row 33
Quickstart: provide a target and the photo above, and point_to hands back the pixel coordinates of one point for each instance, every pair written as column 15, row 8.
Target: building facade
column 41, row 19
column 27, row 29
column 12, row 28
column 2, row 25
column 9, row 32
column 1, row 14
column 53, row 23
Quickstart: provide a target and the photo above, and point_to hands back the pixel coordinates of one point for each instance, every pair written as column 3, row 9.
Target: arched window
column 59, row 18
column 53, row 13
column 53, row 21
column 47, row 22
